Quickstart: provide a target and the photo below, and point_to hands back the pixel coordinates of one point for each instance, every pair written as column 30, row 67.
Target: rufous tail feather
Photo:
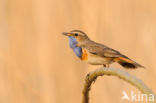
column 127, row 63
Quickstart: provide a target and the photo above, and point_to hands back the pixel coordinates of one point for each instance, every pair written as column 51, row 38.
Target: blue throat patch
column 77, row 50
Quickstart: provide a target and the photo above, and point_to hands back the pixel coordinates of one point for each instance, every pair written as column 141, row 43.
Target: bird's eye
column 76, row 34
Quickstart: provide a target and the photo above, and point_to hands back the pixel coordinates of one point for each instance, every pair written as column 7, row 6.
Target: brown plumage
column 99, row 54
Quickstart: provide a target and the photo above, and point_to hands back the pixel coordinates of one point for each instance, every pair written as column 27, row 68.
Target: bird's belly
column 94, row 59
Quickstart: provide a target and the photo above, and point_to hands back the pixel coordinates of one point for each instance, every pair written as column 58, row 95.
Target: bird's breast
column 84, row 56
column 73, row 44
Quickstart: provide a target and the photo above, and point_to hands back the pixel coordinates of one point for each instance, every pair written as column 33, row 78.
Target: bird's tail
column 128, row 63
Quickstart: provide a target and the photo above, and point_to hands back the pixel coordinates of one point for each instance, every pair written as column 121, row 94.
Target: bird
column 95, row 53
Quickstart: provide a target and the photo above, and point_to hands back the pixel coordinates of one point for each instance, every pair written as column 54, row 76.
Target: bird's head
column 79, row 35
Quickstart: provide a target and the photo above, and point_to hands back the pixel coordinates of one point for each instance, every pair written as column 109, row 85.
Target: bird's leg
column 106, row 65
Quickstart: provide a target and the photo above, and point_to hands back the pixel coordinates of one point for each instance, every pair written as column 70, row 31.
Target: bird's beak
column 68, row 34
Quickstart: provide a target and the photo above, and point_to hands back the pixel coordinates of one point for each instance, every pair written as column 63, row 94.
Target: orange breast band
column 84, row 55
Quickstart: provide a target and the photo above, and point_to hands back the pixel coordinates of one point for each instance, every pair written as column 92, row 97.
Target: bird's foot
column 106, row 65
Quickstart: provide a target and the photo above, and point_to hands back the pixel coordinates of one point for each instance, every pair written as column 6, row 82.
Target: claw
column 106, row 65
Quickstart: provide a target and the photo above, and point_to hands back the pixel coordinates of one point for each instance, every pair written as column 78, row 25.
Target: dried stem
column 91, row 77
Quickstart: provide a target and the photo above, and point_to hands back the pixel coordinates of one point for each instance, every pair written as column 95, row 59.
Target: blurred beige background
column 37, row 65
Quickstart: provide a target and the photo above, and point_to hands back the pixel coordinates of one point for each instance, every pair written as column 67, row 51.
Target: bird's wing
column 102, row 50
column 108, row 52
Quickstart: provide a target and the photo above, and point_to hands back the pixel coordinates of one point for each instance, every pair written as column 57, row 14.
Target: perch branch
column 91, row 77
